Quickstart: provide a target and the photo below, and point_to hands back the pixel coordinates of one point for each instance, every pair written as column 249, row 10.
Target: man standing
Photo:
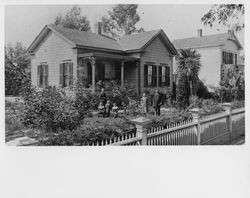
column 103, row 97
column 157, row 102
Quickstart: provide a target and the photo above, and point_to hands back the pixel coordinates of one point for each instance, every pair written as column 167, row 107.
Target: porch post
column 92, row 60
column 122, row 72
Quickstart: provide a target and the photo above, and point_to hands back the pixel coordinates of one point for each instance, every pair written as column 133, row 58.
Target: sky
column 24, row 22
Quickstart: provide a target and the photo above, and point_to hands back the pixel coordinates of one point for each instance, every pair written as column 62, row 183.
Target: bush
column 183, row 91
column 207, row 106
column 91, row 130
column 12, row 118
column 202, row 91
column 174, row 116
column 237, row 104
column 51, row 109
column 232, row 85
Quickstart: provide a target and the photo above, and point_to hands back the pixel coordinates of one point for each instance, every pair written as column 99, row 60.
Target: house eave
column 198, row 47
column 105, row 55
column 97, row 48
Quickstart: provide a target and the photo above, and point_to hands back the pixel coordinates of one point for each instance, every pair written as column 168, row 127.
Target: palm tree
column 189, row 63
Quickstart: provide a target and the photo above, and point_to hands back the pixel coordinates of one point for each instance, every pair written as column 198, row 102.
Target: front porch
column 97, row 70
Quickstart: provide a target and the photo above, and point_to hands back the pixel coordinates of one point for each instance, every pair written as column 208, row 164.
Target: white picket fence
column 213, row 129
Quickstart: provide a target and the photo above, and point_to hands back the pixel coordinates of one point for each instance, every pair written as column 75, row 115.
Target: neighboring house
column 216, row 51
column 60, row 55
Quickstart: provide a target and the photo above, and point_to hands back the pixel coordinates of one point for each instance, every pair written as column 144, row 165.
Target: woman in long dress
column 144, row 104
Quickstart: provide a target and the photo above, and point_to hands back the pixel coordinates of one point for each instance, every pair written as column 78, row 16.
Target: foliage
column 189, row 65
column 237, row 104
column 230, row 15
column 16, row 66
column 91, row 130
column 134, row 108
column 12, row 117
column 202, row 91
column 183, row 91
column 232, row 85
column 73, row 20
column 81, row 100
column 207, row 106
column 121, row 20
column 122, row 92
column 173, row 116
column 51, row 110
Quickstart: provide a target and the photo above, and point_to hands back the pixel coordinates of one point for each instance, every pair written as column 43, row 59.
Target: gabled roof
column 206, row 41
column 141, row 40
column 88, row 39
column 126, row 43
column 136, row 41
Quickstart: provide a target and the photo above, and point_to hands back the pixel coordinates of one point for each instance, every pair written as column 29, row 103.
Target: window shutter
column 70, row 70
column 167, row 76
column 160, row 75
column 46, row 75
column 38, row 75
column 61, row 75
column 145, row 75
column 154, row 76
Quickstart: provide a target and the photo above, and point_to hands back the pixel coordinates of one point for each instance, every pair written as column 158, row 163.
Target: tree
column 16, row 68
column 230, row 15
column 232, row 85
column 73, row 20
column 121, row 20
column 189, row 63
column 183, row 91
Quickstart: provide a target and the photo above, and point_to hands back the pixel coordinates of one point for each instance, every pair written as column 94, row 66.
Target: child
column 101, row 109
column 107, row 108
column 115, row 110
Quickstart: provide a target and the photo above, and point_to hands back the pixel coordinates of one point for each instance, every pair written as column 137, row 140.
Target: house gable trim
column 41, row 36
column 165, row 40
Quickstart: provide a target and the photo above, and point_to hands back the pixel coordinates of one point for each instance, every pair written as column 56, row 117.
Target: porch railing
column 218, row 128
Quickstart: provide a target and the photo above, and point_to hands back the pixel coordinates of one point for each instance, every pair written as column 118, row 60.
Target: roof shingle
column 136, row 41
column 124, row 43
column 204, row 41
column 88, row 39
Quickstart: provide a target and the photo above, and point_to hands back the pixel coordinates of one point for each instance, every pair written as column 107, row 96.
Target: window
column 150, row 75
column 164, row 76
column 235, row 59
column 42, row 75
column 227, row 58
column 66, row 74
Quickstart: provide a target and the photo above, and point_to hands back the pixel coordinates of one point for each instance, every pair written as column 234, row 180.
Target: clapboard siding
column 53, row 50
column 157, row 53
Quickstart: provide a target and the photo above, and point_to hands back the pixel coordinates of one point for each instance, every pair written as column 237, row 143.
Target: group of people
column 105, row 109
column 157, row 103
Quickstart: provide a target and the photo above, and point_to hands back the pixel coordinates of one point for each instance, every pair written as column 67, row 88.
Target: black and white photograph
column 98, row 75
column 124, row 99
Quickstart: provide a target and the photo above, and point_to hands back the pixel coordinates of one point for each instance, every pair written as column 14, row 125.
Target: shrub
column 202, row 91
column 183, row 91
column 91, row 130
column 12, row 118
column 207, row 106
column 237, row 104
column 134, row 108
column 232, row 85
column 51, row 109
column 172, row 117
column 122, row 92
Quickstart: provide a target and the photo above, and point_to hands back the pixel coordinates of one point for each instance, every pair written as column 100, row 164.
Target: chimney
column 98, row 28
column 199, row 32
